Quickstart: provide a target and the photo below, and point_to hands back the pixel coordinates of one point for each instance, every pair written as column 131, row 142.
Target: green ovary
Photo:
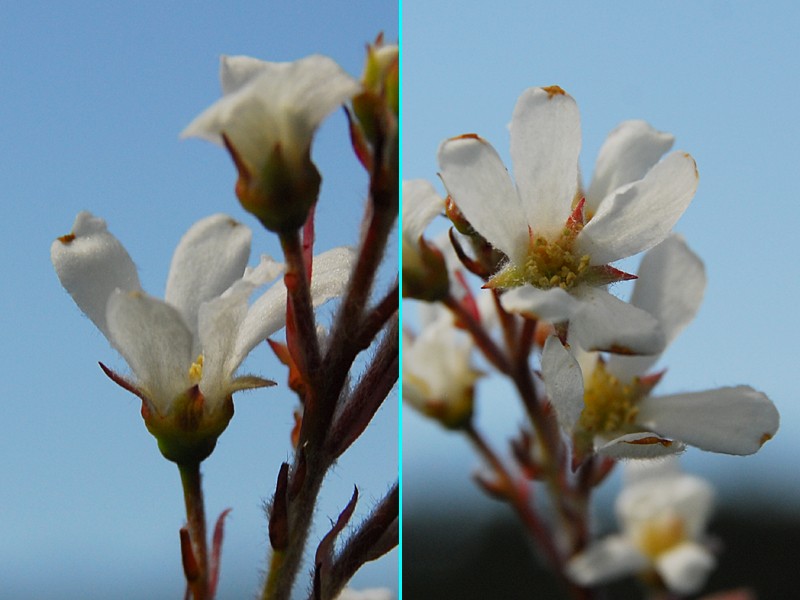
column 609, row 404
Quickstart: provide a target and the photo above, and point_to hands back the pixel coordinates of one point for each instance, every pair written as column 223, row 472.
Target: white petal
column 91, row 264
column 733, row 420
column 628, row 153
column 330, row 276
column 152, row 337
column 604, row 561
column 480, row 186
column 670, row 287
column 421, row 204
column 638, row 445
column 639, row 216
column 554, row 305
column 685, row 568
column 367, row 594
column 236, row 71
column 209, row 258
column 545, row 144
column 563, row 381
column 606, row 323
column 274, row 103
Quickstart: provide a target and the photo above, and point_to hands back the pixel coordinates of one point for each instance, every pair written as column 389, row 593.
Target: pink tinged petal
column 554, row 305
column 609, row 559
column 628, row 153
column 606, row 323
column 670, row 287
column 156, row 343
column 545, row 144
column 209, row 258
column 732, row 420
column 685, row 568
column 273, row 103
column 640, row 215
column 479, row 184
column 563, row 381
column 421, row 204
column 330, row 276
column 644, row 444
column 91, row 264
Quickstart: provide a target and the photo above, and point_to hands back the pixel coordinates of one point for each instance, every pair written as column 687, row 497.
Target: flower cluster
column 580, row 357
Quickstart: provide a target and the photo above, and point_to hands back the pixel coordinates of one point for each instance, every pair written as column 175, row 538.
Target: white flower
column 268, row 104
column 368, row 594
column 187, row 347
column 663, row 516
column 607, row 404
column 266, row 118
column 438, row 379
column 558, row 259
column 425, row 274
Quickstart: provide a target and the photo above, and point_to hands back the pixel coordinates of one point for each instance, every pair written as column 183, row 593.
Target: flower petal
column 563, row 381
column 685, row 568
column 478, row 183
column 156, row 343
column 670, row 287
column 330, row 275
column 645, row 444
column 421, row 204
column 641, row 214
column 606, row 323
column 628, row 153
column 91, row 264
column 554, row 305
column 732, row 420
column 545, row 144
column 209, row 258
column 604, row 561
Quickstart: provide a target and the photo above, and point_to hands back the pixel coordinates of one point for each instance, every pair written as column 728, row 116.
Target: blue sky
column 94, row 96
column 718, row 75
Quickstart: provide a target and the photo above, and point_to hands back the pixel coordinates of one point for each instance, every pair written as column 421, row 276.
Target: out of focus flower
column 184, row 351
column 663, row 515
column 368, row 594
column 559, row 252
column 607, row 405
column 425, row 274
column 267, row 118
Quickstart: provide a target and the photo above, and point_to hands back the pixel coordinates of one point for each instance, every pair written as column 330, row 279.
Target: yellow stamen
column 610, row 404
column 658, row 535
column 196, row 370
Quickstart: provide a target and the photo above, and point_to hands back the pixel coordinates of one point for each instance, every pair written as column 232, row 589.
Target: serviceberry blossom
column 606, row 404
column 663, row 515
column 558, row 243
column 184, row 351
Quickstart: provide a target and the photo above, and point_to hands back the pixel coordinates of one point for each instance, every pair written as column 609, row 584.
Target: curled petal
column 156, row 343
column 563, row 381
column 686, row 567
column 478, row 183
column 209, row 258
column 638, row 445
column 732, row 420
column 554, row 305
column 91, row 264
column 421, row 204
column 545, row 144
column 640, row 215
column 628, row 153
column 606, row 560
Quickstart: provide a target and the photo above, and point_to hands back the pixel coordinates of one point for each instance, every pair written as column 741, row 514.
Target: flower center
column 196, row 371
column 656, row 536
column 549, row 263
column 609, row 404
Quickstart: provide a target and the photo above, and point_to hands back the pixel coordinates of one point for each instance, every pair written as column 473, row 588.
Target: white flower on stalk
column 559, row 258
column 663, row 515
column 607, row 405
column 267, row 117
column 425, row 274
column 438, row 378
column 184, row 351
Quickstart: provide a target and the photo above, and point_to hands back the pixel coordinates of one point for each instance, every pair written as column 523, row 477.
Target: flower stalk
column 195, row 565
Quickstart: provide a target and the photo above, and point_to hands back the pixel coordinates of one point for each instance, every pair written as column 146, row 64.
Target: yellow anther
column 609, row 404
column 196, row 370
